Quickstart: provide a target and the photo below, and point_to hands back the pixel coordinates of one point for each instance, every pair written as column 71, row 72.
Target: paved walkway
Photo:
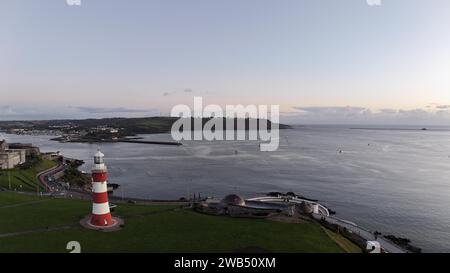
column 367, row 235
column 39, row 230
column 24, row 204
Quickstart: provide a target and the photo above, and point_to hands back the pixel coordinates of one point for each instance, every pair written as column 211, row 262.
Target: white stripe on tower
column 99, row 187
column 100, row 209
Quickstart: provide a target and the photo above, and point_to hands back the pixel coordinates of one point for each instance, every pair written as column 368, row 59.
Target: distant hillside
column 128, row 126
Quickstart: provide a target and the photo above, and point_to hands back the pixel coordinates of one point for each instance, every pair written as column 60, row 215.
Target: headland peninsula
column 111, row 129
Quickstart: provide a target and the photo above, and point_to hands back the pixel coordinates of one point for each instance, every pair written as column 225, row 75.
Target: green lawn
column 149, row 229
column 7, row 199
column 24, row 180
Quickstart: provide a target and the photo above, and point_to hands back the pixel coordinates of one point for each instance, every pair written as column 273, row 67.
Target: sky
column 322, row 61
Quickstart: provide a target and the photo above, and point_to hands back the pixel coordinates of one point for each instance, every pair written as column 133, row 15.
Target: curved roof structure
column 233, row 199
column 305, row 208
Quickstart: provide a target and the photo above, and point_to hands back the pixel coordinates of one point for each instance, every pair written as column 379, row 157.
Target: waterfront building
column 261, row 207
column 22, row 153
column 31, row 151
column 3, row 145
column 10, row 158
column 236, row 206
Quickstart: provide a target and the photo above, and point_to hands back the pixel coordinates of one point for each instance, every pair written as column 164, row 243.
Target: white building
column 3, row 145
column 22, row 153
column 10, row 158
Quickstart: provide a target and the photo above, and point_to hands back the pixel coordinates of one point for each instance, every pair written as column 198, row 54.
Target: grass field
column 148, row 229
column 24, row 180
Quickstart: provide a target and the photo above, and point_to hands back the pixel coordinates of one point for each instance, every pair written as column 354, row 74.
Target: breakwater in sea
column 137, row 141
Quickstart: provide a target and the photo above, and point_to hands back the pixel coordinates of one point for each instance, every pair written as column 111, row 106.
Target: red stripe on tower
column 99, row 198
column 99, row 177
column 101, row 215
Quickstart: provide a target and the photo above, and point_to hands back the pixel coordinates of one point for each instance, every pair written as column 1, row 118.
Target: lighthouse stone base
column 116, row 225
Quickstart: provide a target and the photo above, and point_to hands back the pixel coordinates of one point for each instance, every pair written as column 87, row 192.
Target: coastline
column 357, row 235
column 122, row 171
column 351, row 231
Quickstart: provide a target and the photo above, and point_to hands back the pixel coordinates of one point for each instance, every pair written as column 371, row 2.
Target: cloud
column 443, row 106
column 31, row 113
column 71, row 112
column 173, row 92
column 102, row 110
column 373, row 2
column 347, row 111
column 438, row 115
column 6, row 110
column 437, row 106
column 388, row 111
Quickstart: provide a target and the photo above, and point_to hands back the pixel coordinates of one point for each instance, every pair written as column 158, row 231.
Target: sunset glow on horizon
column 316, row 59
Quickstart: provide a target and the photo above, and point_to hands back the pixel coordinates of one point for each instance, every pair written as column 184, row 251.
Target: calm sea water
column 393, row 181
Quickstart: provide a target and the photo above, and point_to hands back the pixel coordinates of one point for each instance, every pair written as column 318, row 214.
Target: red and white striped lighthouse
column 101, row 216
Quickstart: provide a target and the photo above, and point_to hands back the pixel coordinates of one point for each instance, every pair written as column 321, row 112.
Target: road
column 44, row 177
column 367, row 235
